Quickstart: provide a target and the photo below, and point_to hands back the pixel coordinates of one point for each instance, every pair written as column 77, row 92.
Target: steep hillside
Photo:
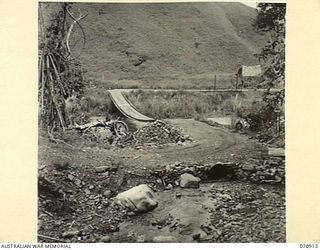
column 184, row 44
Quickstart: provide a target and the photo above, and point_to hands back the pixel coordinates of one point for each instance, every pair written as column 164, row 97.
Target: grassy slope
column 182, row 44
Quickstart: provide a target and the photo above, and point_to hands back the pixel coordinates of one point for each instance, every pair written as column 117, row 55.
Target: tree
column 60, row 74
column 271, row 18
column 269, row 14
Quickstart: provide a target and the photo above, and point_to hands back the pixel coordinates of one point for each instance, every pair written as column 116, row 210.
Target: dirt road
column 209, row 144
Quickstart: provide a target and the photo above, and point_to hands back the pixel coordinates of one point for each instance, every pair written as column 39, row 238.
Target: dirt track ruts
column 209, row 144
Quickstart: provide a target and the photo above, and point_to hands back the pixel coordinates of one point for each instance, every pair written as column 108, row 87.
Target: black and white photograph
column 161, row 122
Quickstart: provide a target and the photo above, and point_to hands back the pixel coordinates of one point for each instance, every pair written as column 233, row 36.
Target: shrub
column 259, row 115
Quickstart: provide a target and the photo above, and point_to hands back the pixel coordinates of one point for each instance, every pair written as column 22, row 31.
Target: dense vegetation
column 60, row 74
column 271, row 18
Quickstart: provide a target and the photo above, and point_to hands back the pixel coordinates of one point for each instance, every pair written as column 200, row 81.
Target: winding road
column 210, row 144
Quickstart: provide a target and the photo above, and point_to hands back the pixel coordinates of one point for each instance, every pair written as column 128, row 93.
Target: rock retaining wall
column 271, row 170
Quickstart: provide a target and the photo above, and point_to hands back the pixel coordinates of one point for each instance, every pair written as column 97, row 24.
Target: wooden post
column 237, row 79
column 215, row 82
column 277, row 111
column 279, row 125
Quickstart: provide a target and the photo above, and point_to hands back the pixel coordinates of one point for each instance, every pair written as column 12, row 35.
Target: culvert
column 219, row 171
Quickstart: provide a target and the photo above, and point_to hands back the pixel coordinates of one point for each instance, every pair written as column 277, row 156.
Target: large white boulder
column 189, row 181
column 138, row 199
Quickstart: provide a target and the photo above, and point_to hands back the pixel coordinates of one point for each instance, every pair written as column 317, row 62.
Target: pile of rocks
column 156, row 133
column 159, row 132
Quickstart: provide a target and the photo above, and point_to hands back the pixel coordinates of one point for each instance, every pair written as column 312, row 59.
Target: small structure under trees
column 249, row 73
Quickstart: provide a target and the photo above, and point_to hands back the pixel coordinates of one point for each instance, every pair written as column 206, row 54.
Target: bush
column 259, row 115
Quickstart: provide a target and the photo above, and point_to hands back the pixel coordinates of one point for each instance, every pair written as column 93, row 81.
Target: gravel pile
column 156, row 133
column 159, row 132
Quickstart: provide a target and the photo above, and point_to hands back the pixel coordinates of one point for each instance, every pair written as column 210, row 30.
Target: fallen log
column 89, row 125
column 45, row 237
